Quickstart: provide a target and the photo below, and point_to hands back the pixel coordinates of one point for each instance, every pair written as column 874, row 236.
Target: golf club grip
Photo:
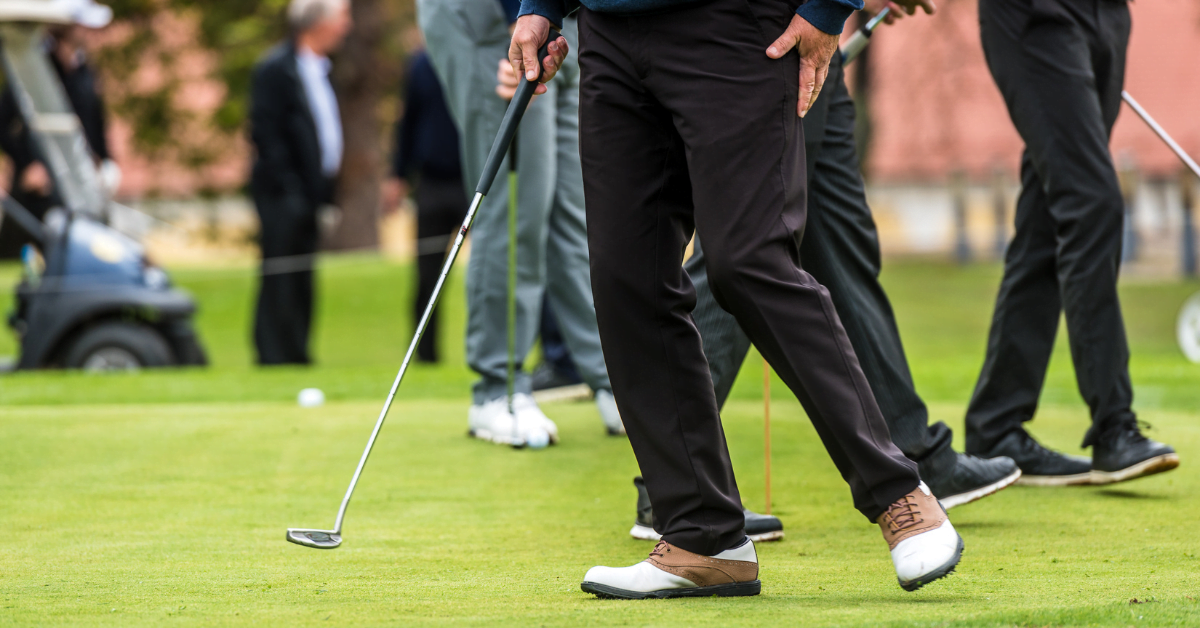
column 512, row 118
column 859, row 40
column 855, row 45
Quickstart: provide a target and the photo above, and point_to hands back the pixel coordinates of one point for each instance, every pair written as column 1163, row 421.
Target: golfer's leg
column 466, row 41
column 1090, row 258
column 725, row 344
column 746, row 161
column 639, row 221
column 1024, row 325
column 1048, row 78
column 841, row 250
column 568, row 277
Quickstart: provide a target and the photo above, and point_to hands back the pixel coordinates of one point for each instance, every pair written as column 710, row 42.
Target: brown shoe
column 924, row 544
column 674, row 572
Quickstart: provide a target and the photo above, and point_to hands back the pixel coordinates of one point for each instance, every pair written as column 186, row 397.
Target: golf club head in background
column 320, row 539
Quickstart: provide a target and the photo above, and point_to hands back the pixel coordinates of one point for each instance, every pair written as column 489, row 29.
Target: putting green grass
column 161, row 499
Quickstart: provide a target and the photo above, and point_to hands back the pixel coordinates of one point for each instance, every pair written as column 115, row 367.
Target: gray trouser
column 466, row 41
column 840, row 248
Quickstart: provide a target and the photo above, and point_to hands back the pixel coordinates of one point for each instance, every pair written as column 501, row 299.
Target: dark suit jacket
column 287, row 164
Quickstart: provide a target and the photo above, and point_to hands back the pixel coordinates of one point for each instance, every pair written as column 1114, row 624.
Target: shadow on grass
column 1125, row 494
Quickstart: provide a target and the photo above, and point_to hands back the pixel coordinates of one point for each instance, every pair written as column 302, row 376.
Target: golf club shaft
column 1162, row 134
column 508, row 128
column 510, row 315
column 859, row 40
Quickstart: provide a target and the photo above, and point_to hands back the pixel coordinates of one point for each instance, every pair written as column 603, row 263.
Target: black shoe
column 762, row 528
column 759, row 528
column 1040, row 466
column 970, row 479
column 1124, row 454
column 546, row 377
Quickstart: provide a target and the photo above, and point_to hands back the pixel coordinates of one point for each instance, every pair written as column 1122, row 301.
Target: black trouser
column 441, row 206
column 1061, row 77
column 283, row 317
column 841, row 250
column 685, row 124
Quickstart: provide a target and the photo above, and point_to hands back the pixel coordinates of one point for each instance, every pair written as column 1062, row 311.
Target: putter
column 330, row 539
column 511, row 313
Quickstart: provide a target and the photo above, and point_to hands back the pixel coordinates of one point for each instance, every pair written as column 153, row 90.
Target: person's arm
column 266, row 128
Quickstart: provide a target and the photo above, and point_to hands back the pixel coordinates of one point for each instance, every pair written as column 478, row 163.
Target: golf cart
column 89, row 298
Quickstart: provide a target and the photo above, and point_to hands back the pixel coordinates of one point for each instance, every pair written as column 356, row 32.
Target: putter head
column 320, row 539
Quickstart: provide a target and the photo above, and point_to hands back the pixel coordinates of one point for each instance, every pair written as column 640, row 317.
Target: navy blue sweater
column 827, row 15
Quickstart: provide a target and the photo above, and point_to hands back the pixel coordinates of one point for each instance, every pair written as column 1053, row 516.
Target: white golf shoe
column 529, row 412
column 607, row 404
column 670, row 571
column 491, row 421
column 924, row 544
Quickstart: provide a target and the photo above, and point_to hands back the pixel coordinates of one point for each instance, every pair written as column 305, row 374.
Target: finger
column 786, row 42
column 506, row 76
column 514, row 57
column 554, row 60
column 540, row 89
column 822, row 74
column 808, row 84
column 929, row 6
column 529, row 59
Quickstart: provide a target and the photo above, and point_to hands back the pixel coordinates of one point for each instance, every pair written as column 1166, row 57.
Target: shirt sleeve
column 511, row 9
column 553, row 10
column 828, row 15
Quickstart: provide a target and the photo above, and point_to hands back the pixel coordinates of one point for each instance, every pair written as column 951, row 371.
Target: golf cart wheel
column 118, row 346
column 1188, row 328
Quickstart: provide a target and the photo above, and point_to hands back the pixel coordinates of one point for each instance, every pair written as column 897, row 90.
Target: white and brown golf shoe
column 670, row 571
column 924, row 544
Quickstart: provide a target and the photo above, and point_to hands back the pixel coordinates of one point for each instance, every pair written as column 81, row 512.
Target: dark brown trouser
column 685, row 124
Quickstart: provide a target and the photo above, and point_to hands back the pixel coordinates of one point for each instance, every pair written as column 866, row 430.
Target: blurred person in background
column 32, row 183
column 467, row 41
column 296, row 129
column 426, row 161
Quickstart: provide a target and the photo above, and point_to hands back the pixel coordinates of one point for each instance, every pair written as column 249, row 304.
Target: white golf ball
column 311, row 398
column 537, row 439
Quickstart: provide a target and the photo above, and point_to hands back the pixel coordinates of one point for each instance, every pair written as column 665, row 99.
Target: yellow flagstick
column 767, row 431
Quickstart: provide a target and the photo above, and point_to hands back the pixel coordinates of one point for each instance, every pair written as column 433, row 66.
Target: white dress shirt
column 314, row 74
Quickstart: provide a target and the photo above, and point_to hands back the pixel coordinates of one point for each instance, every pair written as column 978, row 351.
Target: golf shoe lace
column 660, row 549
column 903, row 514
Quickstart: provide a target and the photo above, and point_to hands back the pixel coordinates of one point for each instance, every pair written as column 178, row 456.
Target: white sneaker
column 674, row 572
column 607, row 404
column 491, row 421
column 924, row 544
column 528, row 412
